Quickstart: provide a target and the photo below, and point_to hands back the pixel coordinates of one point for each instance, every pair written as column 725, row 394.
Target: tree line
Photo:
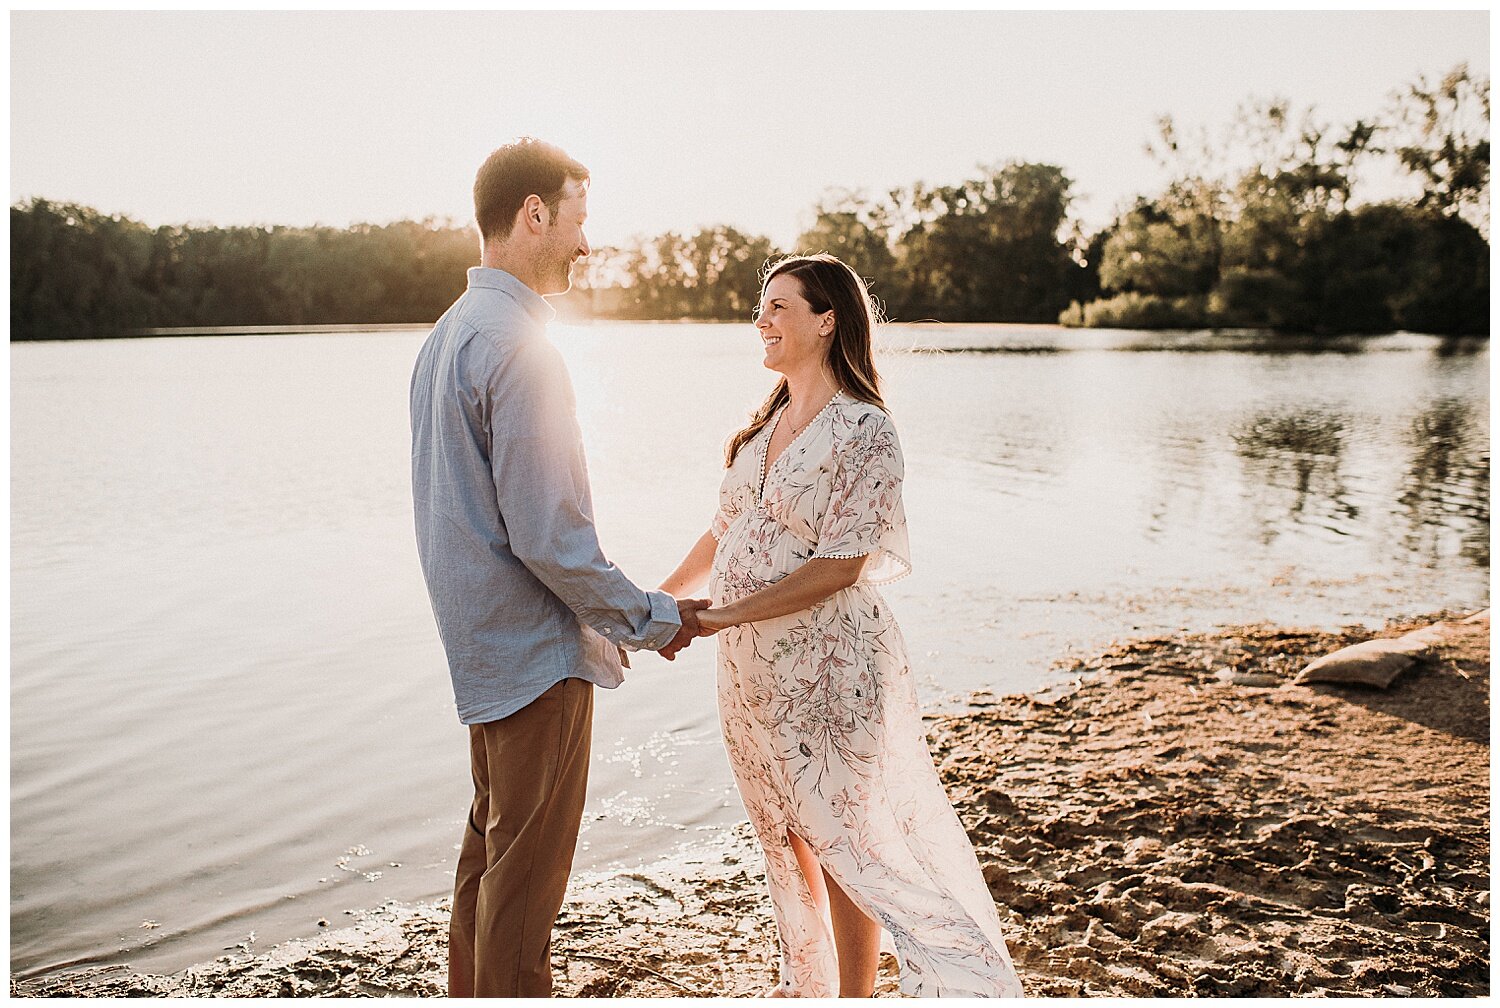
column 1278, row 239
column 1260, row 225
column 79, row 273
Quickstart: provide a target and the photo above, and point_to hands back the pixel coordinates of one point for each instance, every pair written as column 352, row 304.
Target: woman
column 816, row 700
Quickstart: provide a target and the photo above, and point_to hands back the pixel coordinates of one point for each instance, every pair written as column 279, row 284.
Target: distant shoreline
column 263, row 330
column 282, row 330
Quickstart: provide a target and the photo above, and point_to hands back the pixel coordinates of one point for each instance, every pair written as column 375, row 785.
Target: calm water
column 229, row 711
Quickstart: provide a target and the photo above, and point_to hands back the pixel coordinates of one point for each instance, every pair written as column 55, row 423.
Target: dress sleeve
column 865, row 516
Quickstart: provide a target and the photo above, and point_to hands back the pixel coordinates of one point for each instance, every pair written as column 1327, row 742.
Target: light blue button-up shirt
column 523, row 595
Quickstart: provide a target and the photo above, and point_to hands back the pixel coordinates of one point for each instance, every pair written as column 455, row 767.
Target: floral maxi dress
column 820, row 716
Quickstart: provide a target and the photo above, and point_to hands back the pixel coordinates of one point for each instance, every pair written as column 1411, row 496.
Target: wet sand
column 1176, row 820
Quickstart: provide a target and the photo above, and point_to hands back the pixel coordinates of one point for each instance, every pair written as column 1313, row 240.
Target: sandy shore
column 1155, row 827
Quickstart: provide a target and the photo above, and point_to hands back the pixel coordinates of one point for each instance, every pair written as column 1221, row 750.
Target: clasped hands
column 695, row 623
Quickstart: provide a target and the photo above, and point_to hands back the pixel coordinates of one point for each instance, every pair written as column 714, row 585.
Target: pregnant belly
column 754, row 555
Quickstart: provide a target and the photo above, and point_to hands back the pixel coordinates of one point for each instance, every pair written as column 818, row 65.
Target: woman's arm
column 693, row 571
column 803, row 588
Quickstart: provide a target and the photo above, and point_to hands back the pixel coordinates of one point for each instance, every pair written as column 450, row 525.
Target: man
column 531, row 614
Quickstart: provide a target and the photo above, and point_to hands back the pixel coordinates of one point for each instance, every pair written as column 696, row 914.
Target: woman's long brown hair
column 827, row 285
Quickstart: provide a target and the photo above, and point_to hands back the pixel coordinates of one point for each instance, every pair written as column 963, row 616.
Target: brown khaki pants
column 530, row 772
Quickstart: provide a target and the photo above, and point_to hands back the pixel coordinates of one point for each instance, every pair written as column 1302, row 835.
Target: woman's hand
column 711, row 621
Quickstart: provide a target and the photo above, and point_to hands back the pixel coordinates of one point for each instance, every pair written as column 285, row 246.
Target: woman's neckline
column 766, row 464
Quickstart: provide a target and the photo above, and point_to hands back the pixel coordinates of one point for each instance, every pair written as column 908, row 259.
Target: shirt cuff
column 664, row 624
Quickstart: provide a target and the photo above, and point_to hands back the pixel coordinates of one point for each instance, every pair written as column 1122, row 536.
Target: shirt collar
column 497, row 279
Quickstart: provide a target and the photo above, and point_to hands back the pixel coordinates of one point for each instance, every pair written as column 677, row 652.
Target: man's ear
column 533, row 215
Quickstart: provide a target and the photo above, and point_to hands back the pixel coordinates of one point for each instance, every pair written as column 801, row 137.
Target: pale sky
column 684, row 119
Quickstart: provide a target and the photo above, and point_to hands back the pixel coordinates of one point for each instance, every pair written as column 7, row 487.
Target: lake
column 230, row 714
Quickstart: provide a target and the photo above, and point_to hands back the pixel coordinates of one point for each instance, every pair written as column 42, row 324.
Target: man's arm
column 541, row 486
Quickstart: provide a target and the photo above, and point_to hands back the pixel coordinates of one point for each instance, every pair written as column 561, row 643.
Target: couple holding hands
column 816, row 698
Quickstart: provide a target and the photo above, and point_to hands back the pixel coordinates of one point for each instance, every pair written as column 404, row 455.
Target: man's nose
column 583, row 246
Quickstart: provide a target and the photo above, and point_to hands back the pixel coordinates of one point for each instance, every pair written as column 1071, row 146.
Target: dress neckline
column 765, row 447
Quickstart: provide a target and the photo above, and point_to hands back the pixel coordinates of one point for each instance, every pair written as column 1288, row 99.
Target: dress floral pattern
column 820, row 716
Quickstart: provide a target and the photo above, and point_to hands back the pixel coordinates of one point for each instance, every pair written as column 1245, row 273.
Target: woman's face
column 795, row 337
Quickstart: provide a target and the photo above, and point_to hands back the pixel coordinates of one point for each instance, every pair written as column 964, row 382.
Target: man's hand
column 687, row 609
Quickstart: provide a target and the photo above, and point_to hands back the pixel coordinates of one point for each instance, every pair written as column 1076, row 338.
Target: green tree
column 848, row 224
column 722, row 270
column 1440, row 132
column 1275, row 267
column 1165, row 248
column 989, row 248
column 1259, row 225
column 74, row 272
column 713, row 273
column 1169, row 248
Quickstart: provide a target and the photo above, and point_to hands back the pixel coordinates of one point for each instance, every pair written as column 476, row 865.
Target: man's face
column 564, row 241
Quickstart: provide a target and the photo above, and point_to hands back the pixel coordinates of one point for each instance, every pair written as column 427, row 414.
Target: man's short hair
column 528, row 167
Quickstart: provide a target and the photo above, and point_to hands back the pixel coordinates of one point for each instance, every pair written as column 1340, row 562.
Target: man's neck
column 503, row 258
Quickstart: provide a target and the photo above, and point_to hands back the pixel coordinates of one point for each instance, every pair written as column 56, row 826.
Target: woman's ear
column 826, row 328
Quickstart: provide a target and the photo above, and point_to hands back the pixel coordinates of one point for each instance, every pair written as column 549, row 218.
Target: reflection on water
column 1293, row 469
column 1447, row 487
column 1183, row 467
column 1300, row 435
column 1461, row 346
column 1294, row 475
